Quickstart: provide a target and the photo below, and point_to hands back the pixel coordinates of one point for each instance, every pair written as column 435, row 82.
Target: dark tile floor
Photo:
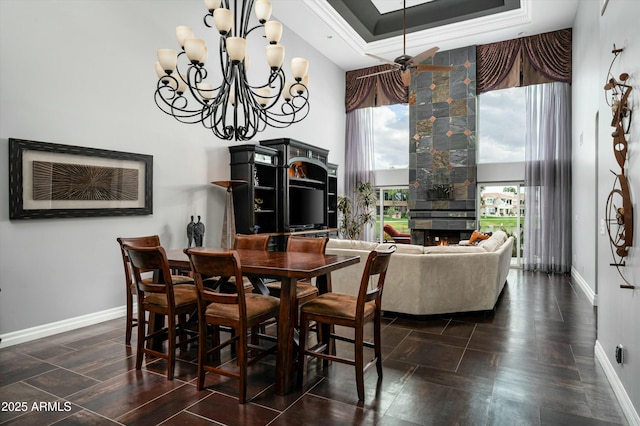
column 529, row 363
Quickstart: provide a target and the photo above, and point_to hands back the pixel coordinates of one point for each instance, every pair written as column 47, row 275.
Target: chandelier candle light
column 234, row 109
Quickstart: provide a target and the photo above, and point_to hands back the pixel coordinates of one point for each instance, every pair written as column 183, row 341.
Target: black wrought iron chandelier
column 235, row 109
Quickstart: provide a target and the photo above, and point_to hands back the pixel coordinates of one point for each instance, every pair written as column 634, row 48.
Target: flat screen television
column 306, row 207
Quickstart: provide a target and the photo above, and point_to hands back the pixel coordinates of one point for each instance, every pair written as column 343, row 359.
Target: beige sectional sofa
column 432, row 280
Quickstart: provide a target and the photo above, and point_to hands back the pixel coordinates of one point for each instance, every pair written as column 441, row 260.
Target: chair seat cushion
column 183, row 294
column 175, row 279
column 229, row 286
column 257, row 305
column 181, row 279
column 302, row 289
column 245, row 281
column 337, row 305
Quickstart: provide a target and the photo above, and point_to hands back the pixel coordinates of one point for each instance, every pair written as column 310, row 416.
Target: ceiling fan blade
column 380, row 58
column 426, row 67
column 376, row 73
column 424, row 55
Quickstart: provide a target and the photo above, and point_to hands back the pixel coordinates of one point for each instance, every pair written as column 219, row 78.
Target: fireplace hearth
column 442, row 237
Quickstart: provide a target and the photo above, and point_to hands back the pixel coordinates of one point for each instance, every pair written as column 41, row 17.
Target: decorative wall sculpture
column 619, row 210
column 48, row 180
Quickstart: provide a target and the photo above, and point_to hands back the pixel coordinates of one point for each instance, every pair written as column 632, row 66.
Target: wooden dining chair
column 241, row 311
column 348, row 311
column 159, row 295
column 130, row 288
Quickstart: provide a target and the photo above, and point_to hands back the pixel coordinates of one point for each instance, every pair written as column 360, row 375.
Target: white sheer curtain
column 359, row 159
column 547, row 223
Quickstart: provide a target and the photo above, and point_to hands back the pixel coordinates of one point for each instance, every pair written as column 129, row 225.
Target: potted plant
column 355, row 215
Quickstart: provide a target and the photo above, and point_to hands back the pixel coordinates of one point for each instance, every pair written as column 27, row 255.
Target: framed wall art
column 49, row 180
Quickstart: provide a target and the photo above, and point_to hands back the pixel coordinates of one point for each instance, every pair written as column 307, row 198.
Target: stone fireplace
column 442, row 155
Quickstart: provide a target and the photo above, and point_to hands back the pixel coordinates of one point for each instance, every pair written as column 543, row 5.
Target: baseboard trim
column 33, row 333
column 618, row 388
column 584, row 286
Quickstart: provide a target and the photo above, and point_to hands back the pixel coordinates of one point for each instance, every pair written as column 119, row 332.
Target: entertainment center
column 291, row 189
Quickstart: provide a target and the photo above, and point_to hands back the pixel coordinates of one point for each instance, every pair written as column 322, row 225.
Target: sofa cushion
column 489, row 245
column 452, row 249
column 492, row 243
column 351, row 244
column 402, row 248
column 500, row 236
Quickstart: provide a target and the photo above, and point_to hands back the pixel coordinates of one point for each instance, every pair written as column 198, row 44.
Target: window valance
column 380, row 89
column 536, row 59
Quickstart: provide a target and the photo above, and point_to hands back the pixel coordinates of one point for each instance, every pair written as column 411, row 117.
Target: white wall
column 81, row 73
column 501, row 172
column 392, row 177
column 618, row 309
column 586, row 93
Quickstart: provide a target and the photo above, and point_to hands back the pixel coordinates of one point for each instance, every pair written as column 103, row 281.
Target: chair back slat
column 146, row 241
column 251, row 242
column 306, row 244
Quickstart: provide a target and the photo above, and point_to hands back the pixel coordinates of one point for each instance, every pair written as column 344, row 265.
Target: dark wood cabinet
column 332, row 195
column 256, row 203
column 291, row 189
column 303, row 183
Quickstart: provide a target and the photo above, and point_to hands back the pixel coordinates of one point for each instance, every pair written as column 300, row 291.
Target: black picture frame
column 48, row 180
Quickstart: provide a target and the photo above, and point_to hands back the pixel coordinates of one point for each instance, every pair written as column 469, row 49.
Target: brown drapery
column 386, row 88
column 541, row 58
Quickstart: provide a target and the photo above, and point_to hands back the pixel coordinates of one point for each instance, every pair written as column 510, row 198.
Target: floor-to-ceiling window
column 391, row 153
column 501, row 207
column 392, row 210
column 500, row 157
column 501, row 123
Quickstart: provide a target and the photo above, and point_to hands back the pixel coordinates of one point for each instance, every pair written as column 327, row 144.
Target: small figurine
column 190, row 231
column 198, row 233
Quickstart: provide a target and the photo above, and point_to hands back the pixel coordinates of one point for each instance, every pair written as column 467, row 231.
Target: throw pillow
column 477, row 235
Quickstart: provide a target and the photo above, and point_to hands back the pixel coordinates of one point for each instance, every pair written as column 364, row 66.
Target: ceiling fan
column 404, row 63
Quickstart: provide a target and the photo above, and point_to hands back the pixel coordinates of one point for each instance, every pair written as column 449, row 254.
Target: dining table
column 288, row 268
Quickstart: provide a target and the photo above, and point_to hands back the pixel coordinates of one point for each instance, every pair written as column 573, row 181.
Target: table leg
column 323, row 282
column 258, row 285
column 285, row 356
